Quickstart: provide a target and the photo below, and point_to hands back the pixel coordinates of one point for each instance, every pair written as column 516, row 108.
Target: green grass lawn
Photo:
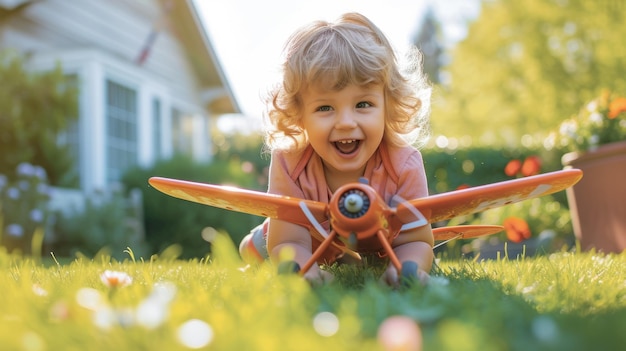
column 565, row 301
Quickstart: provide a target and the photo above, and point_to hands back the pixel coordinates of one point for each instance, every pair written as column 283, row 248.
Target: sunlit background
column 248, row 36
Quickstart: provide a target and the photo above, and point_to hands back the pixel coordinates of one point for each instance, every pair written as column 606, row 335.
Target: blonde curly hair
column 332, row 55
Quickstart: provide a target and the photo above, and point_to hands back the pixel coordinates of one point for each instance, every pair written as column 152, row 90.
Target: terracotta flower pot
column 598, row 202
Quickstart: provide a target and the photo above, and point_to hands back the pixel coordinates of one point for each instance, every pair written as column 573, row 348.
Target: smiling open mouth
column 347, row 146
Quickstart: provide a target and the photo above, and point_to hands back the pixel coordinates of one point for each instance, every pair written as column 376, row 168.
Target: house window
column 121, row 129
column 182, row 132
column 156, row 127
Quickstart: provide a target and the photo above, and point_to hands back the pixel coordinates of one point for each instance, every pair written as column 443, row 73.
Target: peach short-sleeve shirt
column 391, row 171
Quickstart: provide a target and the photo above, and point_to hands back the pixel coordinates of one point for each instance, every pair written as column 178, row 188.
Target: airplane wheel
column 409, row 272
column 288, row 267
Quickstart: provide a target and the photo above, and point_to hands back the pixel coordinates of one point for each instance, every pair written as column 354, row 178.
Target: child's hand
column 392, row 277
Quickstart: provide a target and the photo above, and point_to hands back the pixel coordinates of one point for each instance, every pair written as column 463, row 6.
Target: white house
column 149, row 81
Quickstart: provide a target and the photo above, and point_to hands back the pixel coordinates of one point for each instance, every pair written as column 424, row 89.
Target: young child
column 345, row 110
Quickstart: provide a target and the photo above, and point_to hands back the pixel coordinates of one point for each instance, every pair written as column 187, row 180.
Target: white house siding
column 100, row 40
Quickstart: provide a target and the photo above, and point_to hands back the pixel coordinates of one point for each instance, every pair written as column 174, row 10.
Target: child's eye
column 363, row 104
column 324, row 108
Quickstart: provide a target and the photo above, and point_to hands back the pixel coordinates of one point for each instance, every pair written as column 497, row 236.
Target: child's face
column 344, row 127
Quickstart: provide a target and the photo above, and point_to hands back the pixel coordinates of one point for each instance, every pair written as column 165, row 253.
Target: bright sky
column 248, row 35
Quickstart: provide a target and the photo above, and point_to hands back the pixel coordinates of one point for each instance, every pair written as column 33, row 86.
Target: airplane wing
column 465, row 231
column 444, row 206
column 241, row 200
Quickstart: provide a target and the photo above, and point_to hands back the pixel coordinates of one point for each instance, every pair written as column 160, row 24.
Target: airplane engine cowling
column 357, row 208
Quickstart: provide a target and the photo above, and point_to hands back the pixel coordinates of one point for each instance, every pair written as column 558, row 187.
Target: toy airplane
column 361, row 221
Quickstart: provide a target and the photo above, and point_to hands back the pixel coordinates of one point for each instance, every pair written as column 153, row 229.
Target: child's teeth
column 347, row 146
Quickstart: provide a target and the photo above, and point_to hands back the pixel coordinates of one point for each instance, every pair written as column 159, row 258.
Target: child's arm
column 287, row 236
column 415, row 245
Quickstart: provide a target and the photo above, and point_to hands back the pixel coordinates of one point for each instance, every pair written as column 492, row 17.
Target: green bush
column 171, row 221
column 447, row 170
column 103, row 226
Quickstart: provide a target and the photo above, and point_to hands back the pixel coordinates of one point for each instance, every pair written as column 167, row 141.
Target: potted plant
column 595, row 141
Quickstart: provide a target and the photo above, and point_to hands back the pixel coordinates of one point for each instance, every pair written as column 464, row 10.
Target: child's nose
column 345, row 119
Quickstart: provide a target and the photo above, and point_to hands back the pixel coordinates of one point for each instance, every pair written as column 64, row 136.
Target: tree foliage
column 34, row 109
column 527, row 65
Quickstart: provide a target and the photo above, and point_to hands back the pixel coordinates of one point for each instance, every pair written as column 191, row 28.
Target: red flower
column 462, row 186
column 616, row 107
column 517, row 229
column 531, row 166
column 513, row 167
